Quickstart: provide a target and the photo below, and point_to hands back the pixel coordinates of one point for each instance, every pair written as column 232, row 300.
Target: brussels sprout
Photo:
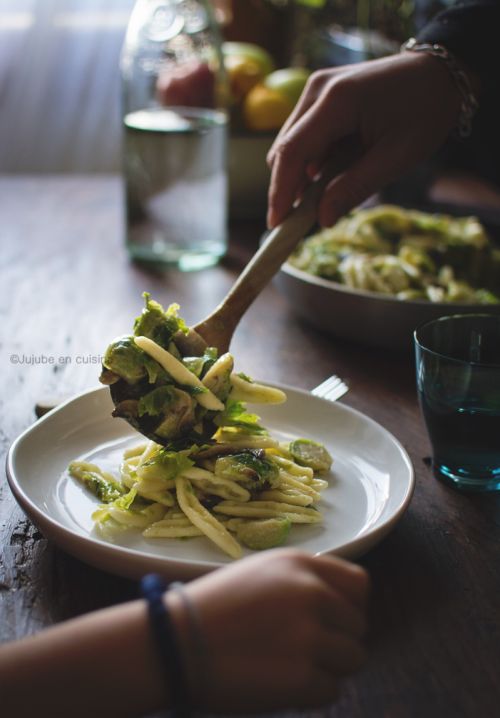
column 163, row 414
column 174, row 407
column 165, row 465
column 250, row 468
column 201, row 365
column 389, row 220
column 124, row 358
column 310, row 453
column 391, row 250
column 417, row 258
column 267, row 533
column 194, row 364
column 158, row 324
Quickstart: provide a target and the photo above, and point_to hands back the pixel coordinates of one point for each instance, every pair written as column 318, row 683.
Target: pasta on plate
column 209, row 468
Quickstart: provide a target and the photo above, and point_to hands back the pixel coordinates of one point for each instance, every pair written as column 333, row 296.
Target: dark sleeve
column 470, row 30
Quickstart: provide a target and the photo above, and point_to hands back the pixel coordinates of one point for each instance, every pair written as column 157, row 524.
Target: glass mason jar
column 175, row 130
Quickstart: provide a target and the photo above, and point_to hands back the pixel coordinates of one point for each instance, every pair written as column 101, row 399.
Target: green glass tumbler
column 458, row 383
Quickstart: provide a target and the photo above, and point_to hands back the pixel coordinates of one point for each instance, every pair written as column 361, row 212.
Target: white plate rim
column 100, row 553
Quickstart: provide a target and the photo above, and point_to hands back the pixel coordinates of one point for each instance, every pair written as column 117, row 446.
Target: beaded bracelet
column 469, row 102
column 167, row 645
column 198, row 650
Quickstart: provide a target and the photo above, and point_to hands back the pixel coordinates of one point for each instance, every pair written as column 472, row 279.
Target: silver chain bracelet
column 469, row 103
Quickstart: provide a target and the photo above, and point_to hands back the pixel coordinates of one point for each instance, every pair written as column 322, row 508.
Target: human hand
column 280, row 629
column 393, row 112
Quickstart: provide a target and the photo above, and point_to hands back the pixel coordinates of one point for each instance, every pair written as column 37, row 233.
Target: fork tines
column 332, row 388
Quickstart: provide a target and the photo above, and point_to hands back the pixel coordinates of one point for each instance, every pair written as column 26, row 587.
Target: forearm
column 103, row 664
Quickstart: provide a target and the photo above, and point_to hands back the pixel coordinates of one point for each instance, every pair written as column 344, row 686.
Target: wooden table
column 67, row 288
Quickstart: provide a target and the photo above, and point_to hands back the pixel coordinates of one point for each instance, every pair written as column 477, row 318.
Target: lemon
column 265, row 109
column 248, row 51
column 243, row 73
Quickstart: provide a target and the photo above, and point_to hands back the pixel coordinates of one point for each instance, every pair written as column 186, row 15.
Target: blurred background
column 60, row 77
column 59, row 66
column 60, row 84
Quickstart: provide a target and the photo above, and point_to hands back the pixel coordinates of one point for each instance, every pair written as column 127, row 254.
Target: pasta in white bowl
column 381, row 272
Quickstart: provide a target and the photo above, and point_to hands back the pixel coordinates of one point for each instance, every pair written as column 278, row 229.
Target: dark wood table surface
column 67, row 288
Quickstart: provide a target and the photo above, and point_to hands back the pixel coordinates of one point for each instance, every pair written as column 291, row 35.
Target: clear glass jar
column 175, row 132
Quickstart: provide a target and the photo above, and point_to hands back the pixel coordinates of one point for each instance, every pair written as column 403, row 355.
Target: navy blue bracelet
column 167, row 645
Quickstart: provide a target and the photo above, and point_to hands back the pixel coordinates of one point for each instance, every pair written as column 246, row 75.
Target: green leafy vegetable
column 166, row 464
column 250, row 468
column 158, row 324
column 100, row 483
column 390, row 250
column 102, row 514
column 156, row 402
column 245, row 377
column 235, row 414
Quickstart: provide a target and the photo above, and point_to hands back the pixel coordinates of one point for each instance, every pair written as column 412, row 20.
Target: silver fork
column 332, row 388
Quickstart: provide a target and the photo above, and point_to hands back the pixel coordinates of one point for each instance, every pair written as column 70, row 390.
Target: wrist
column 191, row 642
column 166, row 641
column 465, row 83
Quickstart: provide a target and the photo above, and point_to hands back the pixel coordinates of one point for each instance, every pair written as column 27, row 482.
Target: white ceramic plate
column 371, row 483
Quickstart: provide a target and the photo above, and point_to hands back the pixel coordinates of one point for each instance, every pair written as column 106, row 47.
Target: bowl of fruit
column 261, row 98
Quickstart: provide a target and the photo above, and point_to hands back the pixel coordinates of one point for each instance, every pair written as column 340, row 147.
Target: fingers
column 305, row 144
column 367, row 175
column 292, row 156
column 339, row 653
column 288, row 175
column 345, row 577
column 295, row 650
column 339, row 613
column 307, row 98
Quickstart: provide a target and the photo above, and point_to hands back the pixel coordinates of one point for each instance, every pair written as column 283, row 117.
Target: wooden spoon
column 217, row 329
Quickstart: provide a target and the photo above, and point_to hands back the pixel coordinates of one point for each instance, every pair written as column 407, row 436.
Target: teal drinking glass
column 458, row 383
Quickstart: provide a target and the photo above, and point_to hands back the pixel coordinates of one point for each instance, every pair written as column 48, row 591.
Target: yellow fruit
column 243, row 73
column 265, row 109
column 248, row 51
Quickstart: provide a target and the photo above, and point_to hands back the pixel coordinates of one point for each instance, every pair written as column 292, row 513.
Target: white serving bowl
column 369, row 318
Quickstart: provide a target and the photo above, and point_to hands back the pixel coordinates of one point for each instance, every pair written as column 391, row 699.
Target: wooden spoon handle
column 276, row 248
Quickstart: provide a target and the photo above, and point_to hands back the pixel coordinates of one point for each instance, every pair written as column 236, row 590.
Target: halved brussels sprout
column 250, row 468
column 264, row 534
column 310, row 453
